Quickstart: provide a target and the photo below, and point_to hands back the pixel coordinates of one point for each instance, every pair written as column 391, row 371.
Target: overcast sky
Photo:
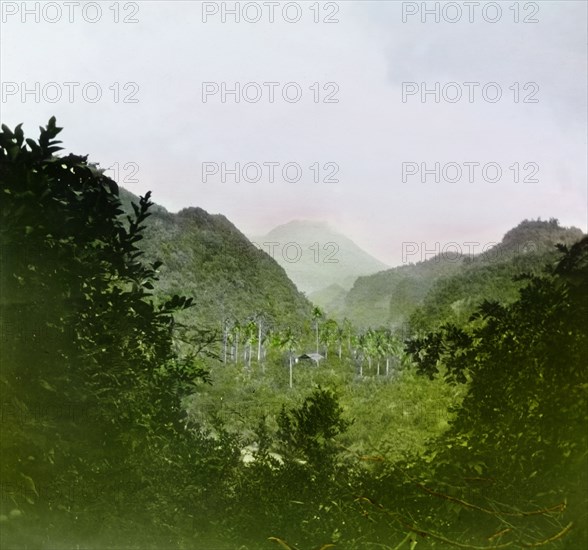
column 365, row 61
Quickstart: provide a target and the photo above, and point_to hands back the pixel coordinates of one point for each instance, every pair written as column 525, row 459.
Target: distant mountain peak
column 305, row 223
column 316, row 256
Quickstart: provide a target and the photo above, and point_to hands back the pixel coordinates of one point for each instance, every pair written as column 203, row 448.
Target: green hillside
column 331, row 298
column 449, row 287
column 368, row 302
column 205, row 256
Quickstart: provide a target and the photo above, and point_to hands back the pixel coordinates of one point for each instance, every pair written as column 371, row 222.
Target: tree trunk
column 259, row 342
column 387, row 366
column 317, row 338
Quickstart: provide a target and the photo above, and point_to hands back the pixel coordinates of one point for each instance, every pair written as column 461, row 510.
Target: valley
column 166, row 383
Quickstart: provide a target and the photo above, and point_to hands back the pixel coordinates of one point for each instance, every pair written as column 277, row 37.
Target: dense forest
column 207, row 257
column 168, row 405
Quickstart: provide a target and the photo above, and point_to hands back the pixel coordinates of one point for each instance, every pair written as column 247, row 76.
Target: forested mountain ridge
column 475, row 437
column 391, row 297
column 205, row 256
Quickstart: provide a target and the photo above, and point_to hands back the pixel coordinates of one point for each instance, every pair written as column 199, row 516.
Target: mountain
column 448, row 287
column 205, row 256
column 315, row 256
column 369, row 302
column 331, row 298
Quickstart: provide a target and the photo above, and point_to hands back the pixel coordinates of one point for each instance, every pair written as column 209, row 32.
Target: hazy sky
column 365, row 61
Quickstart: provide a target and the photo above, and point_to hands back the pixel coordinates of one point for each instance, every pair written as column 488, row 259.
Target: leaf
column 30, row 485
column 47, row 386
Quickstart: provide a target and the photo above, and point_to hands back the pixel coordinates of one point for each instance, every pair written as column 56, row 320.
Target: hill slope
column 315, row 256
column 207, row 257
column 454, row 283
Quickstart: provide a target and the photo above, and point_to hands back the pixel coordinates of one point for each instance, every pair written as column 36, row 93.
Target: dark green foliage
column 526, row 412
column 87, row 363
column 207, row 257
column 112, row 435
column 307, row 432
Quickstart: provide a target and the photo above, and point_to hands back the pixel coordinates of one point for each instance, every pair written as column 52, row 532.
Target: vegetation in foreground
column 121, row 428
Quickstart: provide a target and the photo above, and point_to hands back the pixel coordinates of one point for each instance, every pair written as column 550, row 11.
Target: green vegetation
column 135, row 417
column 449, row 286
column 207, row 257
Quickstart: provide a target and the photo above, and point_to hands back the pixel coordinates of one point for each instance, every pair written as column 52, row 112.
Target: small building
column 315, row 357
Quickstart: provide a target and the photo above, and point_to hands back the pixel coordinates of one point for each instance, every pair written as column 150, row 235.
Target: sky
column 395, row 122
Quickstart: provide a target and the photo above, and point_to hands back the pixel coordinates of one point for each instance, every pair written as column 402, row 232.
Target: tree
column 525, row 364
column 340, row 336
column 288, row 341
column 317, row 315
column 361, row 351
column 249, row 334
column 226, row 323
column 308, row 431
column 85, row 330
column 234, row 336
column 259, row 321
column 381, row 342
column 348, row 333
column 328, row 334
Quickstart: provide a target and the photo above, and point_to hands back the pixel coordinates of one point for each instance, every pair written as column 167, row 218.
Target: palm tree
column 234, row 335
column 379, row 343
column 225, row 339
column 328, row 333
column 369, row 347
column 317, row 313
column 259, row 318
column 340, row 335
column 267, row 337
column 250, row 332
column 394, row 349
column 360, row 344
column 289, row 342
column 348, row 332
column 382, row 346
column 372, row 350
